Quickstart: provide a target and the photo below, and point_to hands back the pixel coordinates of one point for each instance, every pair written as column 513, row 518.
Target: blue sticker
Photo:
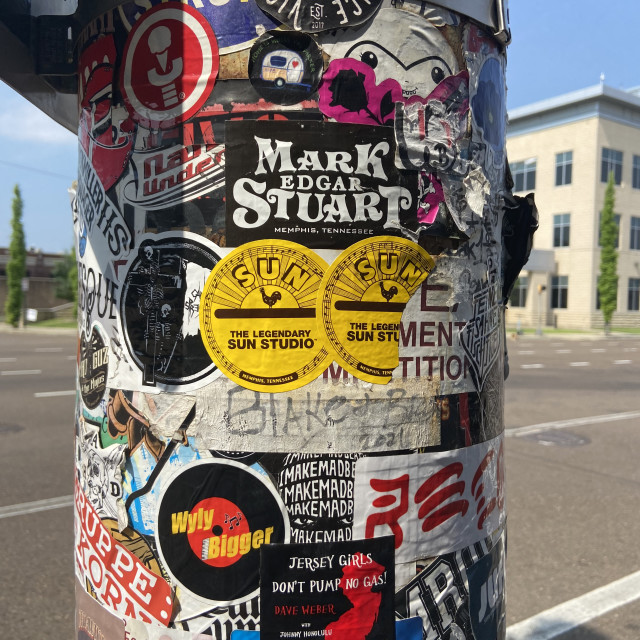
column 241, row 634
column 236, row 23
column 409, row 629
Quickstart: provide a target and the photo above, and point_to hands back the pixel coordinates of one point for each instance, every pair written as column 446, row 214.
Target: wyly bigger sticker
column 258, row 316
column 363, row 295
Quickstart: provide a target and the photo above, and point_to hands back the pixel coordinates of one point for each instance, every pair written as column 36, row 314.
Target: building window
column 616, row 217
column 524, row 175
column 518, row 297
column 633, row 299
column 635, row 173
column 611, row 161
column 598, row 294
column 634, row 242
column 561, row 228
column 559, row 292
column 564, row 163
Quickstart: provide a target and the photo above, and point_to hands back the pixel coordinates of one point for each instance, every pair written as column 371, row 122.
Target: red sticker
column 218, row 526
column 170, row 65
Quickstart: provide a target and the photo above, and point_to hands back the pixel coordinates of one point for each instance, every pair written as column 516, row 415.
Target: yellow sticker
column 258, row 316
column 363, row 295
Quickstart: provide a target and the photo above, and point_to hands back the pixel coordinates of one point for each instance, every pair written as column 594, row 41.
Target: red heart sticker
column 294, row 64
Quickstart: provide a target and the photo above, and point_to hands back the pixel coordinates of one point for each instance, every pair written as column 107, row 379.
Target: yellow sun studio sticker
column 363, row 295
column 258, row 316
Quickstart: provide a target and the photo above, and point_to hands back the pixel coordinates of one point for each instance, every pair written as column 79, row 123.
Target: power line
column 46, row 173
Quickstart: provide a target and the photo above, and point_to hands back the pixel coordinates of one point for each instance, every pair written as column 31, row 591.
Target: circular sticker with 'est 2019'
column 363, row 295
column 258, row 316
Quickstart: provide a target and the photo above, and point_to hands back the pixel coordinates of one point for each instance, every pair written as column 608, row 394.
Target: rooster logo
column 387, row 294
column 272, row 299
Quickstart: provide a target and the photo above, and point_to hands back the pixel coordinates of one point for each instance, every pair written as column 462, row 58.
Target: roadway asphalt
column 572, row 487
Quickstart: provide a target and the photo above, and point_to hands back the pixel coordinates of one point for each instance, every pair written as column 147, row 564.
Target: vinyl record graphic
column 213, row 517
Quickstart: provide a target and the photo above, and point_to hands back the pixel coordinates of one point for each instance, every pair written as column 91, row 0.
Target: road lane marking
column 574, row 613
column 563, row 350
column 519, row 432
column 532, row 366
column 33, row 507
column 630, row 349
column 598, row 350
column 48, row 349
column 525, row 353
column 622, row 362
column 23, row 372
column 579, row 364
column 8, row 359
column 54, row 394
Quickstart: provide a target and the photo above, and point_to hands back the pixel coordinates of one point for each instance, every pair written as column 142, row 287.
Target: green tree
column 17, row 265
column 608, row 279
column 66, row 287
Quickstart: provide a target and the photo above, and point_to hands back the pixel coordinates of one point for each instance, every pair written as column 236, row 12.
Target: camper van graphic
column 283, row 67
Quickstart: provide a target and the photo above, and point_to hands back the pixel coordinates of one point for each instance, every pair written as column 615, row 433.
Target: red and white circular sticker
column 170, row 65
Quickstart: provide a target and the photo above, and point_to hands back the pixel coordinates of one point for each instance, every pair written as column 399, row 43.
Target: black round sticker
column 159, row 310
column 213, row 518
column 285, row 67
column 93, row 368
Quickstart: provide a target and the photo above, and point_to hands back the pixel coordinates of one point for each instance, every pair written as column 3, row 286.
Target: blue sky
column 558, row 46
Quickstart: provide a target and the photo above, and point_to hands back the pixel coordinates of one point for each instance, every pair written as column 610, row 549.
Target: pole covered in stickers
column 295, row 239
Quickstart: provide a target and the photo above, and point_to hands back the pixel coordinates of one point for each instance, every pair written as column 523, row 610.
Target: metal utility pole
column 292, row 274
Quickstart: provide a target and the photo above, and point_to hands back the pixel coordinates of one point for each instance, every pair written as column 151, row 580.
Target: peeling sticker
column 335, row 413
column 433, row 503
column 363, row 296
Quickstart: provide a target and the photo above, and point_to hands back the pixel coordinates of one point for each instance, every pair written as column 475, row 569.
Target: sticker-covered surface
column 258, row 316
column 327, row 590
column 290, row 247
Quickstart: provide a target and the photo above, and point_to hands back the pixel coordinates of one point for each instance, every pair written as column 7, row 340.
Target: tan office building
column 563, row 149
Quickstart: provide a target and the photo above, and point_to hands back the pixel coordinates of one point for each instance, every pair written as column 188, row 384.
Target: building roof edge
column 582, row 95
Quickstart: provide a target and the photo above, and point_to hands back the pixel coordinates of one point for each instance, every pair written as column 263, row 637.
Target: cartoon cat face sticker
column 395, row 57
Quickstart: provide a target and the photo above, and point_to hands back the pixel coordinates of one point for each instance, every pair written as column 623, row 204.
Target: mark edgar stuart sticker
column 362, row 298
column 258, row 316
